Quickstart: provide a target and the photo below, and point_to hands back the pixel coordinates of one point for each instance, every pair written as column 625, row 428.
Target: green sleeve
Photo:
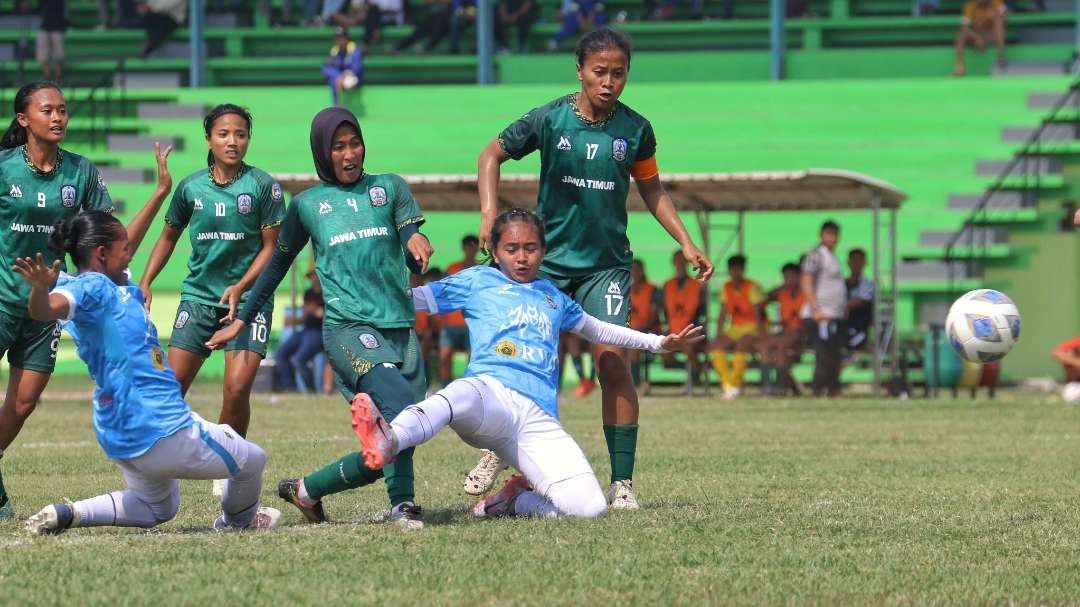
column 647, row 145
column 97, row 195
column 522, row 137
column 406, row 209
column 271, row 204
column 293, row 236
column 178, row 215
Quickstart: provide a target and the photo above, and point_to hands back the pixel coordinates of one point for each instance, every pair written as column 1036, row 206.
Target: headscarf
column 322, row 138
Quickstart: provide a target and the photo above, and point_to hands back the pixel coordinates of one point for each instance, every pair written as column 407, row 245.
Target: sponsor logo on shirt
column 275, row 191
column 563, row 145
column 592, row 184
column 618, row 150
column 506, row 348
column 377, row 195
column 67, row 196
column 181, row 319
column 369, row 341
column 551, row 301
column 506, row 290
column 198, row 204
column 157, row 357
column 243, row 204
column 613, row 287
column 260, row 319
column 324, row 208
column 523, row 316
column 16, row 191
column 349, row 236
column 220, row 236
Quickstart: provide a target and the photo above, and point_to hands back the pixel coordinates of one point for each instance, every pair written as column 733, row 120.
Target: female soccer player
column 359, row 224
column 233, row 212
column 590, row 145
column 40, row 183
column 140, row 417
column 507, row 400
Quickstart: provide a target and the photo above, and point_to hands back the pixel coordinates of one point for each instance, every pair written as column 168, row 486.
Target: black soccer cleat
column 289, row 490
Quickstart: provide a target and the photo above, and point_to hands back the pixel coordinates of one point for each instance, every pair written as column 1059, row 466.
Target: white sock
column 420, row 423
column 302, row 493
column 531, row 503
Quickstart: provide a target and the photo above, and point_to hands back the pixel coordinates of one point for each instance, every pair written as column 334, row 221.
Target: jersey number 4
column 614, row 304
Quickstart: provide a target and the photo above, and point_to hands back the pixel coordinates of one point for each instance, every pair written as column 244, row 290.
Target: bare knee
column 611, row 369
column 22, row 407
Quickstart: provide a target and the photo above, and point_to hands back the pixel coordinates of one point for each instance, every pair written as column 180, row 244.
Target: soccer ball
column 983, row 325
column 1071, row 392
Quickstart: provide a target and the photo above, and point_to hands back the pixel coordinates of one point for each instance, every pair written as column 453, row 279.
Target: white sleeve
column 424, row 300
column 600, row 332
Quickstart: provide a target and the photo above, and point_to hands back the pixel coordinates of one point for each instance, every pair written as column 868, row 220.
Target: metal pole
column 894, row 343
column 1076, row 44
column 777, row 9
column 705, row 227
column 196, row 44
column 876, row 230
column 485, row 44
column 741, row 232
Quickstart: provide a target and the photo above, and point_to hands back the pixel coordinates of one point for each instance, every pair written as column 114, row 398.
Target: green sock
column 399, row 478
column 579, row 366
column 621, row 445
column 346, row 473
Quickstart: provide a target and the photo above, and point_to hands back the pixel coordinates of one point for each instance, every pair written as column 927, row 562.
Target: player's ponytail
column 78, row 235
column 16, row 133
column 515, row 215
column 220, row 110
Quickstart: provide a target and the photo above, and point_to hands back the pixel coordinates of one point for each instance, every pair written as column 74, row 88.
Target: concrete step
column 1060, row 6
column 172, row 50
column 1043, row 101
column 1001, row 199
column 228, row 20
column 26, row 23
column 1030, row 68
column 1047, row 35
column 1030, row 166
column 122, row 175
column 936, row 270
column 149, row 80
column 118, row 142
column 933, row 313
column 165, row 109
column 939, row 238
column 1054, row 132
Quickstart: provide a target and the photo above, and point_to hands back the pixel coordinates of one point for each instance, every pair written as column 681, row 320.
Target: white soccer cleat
column 218, row 488
column 483, row 476
column 52, row 519
column 407, row 516
column 265, row 518
column 621, row 495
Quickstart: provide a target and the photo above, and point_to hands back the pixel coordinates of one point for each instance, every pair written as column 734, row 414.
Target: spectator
column 427, row 327
column 454, row 335
column 741, row 301
column 296, row 353
column 645, row 304
column 860, row 301
column 160, row 19
column 368, row 13
column 982, row 19
column 780, row 351
column 520, row 13
column 683, row 306
column 926, row 7
column 1068, row 209
column 434, row 26
column 664, row 10
column 1068, row 354
column 578, row 16
column 345, row 68
column 50, row 39
column 826, row 298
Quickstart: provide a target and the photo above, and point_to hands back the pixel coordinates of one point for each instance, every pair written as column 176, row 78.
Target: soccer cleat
column 289, row 490
column 218, row 487
column 377, row 439
column 265, row 518
column 502, row 502
column 7, row 511
column 730, row 393
column 51, row 520
column 621, row 495
column 483, row 476
column 584, row 388
column 407, row 515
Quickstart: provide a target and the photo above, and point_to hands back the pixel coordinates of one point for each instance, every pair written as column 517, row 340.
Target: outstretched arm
column 136, row 230
column 608, row 334
column 42, row 305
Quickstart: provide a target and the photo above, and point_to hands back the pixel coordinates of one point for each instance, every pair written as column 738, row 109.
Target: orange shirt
column 981, row 17
column 791, row 308
column 423, row 323
column 681, row 303
column 455, row 318
column 641, row 307
column 740, row 303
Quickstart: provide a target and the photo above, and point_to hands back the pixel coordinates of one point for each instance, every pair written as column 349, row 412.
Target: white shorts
column 515, row 428
column 50, row 47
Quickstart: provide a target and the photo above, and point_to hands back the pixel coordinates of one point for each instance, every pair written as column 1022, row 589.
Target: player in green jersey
column 40, row 184
column 359, row 225
column 590, row 146
column 233, row 213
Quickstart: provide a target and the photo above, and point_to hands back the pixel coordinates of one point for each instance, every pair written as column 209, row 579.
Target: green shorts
column 604, row 294
column 195, row 322
column 353, row 349
column 29, row 344
column 455, row 337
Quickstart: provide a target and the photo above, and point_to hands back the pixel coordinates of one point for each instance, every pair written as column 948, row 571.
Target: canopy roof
column 810, row 190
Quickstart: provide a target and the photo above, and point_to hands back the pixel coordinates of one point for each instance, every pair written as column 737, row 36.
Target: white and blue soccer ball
column 983, row 325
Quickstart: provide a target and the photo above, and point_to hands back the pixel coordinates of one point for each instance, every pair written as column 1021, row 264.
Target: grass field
column 762, row 501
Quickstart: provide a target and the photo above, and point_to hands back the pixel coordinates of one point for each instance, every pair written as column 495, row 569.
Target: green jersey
column 358, row 253
column 584, row 180
column 225, row 224
column 31, row 202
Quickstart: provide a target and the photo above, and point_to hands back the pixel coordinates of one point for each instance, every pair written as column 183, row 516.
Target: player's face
column 736, row 271
column 114, row 259
column 228, row 140
column 347, row 154
column 603, row 77
column 46, row 116
column 829, row 238
column 791, row 279
column 856, row 263
column 519, row 252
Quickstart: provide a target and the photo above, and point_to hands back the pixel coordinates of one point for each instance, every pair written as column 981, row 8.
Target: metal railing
column 1023, row 173
column 106, row 98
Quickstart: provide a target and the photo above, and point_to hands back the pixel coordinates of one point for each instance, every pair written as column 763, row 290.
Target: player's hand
column 230, row 298
column 678, row 341
column 819, row 316
column 164, row 178
column 486, row 221
column 1076, row 218
column 147, row 296
column 224, row 336
column 36, row 273
column 699, row 261
column 420, row 248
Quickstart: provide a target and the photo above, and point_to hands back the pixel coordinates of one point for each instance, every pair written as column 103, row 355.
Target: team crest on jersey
column 181, row 319
column 275, row 191
column 377, row 195
column 158, row 358
column 16, row 191
column 618, row 150
column 506, row 348
column 67, row 196
column 243, row 204
column 563, row 145
column 324, row 208
column 370, row 341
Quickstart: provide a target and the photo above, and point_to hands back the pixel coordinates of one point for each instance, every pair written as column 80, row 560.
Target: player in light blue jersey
column 140, row 418
column 506, row 402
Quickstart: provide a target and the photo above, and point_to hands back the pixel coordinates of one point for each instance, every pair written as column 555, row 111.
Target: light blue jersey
column 137, row 399
column 513, row 328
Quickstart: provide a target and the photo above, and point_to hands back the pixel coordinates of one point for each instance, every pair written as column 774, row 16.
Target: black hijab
column 322, row 138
